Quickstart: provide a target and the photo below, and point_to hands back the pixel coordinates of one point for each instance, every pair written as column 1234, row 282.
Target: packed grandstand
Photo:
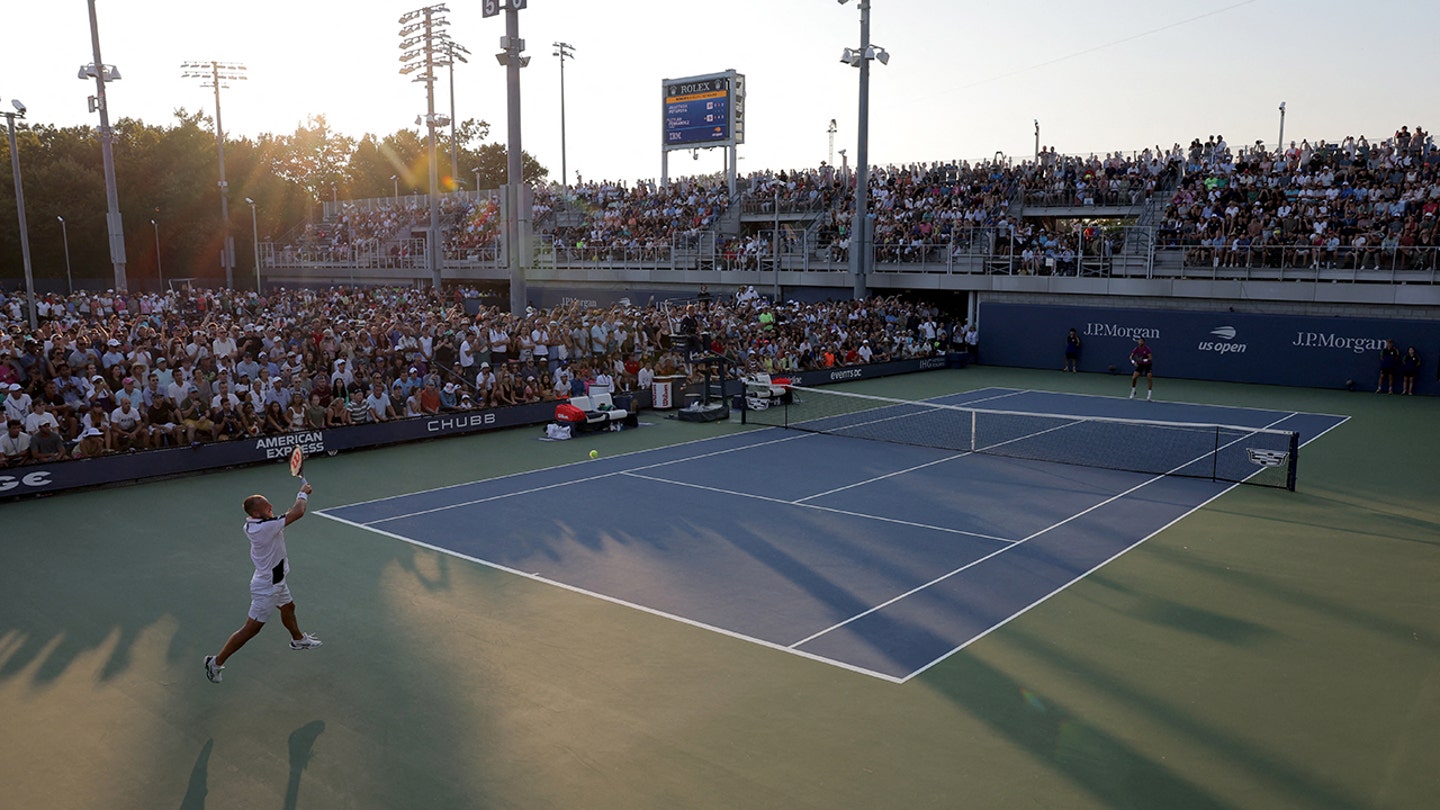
column 108, row 372
column 1352, row 204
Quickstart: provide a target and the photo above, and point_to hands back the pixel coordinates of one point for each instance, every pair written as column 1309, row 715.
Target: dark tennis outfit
column 1143, row 359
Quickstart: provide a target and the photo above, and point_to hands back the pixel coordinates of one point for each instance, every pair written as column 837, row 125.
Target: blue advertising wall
column 43, row 479
column 1300, row 350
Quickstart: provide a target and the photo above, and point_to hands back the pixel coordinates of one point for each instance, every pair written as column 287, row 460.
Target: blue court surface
column 880, row 558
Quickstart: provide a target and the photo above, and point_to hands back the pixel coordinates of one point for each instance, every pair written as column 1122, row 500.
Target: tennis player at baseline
column 1144, row 362
column 269, row 588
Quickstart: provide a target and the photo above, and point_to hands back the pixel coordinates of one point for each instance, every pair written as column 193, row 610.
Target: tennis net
column 1232, row 453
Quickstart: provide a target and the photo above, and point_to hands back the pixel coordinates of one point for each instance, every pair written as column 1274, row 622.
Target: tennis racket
column 297, row 464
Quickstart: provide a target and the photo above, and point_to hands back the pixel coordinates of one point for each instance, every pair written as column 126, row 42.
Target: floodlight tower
column 103, row 74
column 517, row 219
column 420, row 42
column 453, row 52
column 216, row 75
column 20, row 208
column 564, row 50
column 860, row 227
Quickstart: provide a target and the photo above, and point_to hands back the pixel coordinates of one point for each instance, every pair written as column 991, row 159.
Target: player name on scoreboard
column 702, row 110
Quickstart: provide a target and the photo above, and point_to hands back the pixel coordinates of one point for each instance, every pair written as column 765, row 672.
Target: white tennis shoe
column 213, row 670
column 305, row 642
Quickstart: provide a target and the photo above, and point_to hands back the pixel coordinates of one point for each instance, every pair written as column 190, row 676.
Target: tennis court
column 1268, row 649
column 876, row 556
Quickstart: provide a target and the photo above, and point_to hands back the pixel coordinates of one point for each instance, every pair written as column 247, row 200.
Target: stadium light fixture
column 422, row 40
column 860, row 227
column 516, row 223
column 1280, row 144
column 217, row 76
column 565, row 51
column 453, row 52
column 103, row 74
column 20, row 210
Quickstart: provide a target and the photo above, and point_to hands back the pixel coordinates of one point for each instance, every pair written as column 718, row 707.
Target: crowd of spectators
column 1349, row 205
column 922, row 211
column 1117, row 179
column 109, row 373
column 617, row 222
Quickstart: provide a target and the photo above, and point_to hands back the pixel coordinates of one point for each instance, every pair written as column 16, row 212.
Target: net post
column 1294, row 460
column 1215, row 457
column 974, row 423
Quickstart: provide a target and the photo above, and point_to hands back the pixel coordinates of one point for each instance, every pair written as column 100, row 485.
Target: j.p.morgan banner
column 1299, row 350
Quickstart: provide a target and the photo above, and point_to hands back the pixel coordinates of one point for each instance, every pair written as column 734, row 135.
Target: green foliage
column 171, row 175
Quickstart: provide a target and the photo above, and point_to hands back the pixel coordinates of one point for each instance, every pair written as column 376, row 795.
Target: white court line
column 1017, row 544
column 582, row 480
column 1343, row 419
column 801, row 501
column 1181, row 402
column 932, row 463
column 772, row 645
column 614, row 601
column 1009, row 392
column 758, row 431
column 1017, row 614
column 819, row 508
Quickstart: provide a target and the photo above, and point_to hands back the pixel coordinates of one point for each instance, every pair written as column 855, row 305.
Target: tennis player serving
column 269, row 588
column 1143, row 360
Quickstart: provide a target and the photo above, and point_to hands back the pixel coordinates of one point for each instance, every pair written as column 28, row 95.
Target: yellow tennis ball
column 594, row 453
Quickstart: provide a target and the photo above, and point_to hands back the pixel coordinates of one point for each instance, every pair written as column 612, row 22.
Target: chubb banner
column 1302, row 350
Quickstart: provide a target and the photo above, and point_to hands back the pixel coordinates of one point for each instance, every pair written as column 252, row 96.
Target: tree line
column 170, row 175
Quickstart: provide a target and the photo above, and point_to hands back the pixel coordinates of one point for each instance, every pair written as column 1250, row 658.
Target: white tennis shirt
column 267, row 548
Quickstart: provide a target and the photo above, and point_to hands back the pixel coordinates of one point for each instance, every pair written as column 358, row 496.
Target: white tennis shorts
column 265, row 597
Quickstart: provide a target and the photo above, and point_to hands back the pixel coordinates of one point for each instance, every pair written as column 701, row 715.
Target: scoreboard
column 704, row 111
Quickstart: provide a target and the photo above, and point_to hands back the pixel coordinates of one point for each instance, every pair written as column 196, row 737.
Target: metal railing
column 1087, row 198
column 1386, row 264
column 1086, row 252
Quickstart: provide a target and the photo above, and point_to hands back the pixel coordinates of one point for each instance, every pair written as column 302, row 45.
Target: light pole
column 103, row 73
column 1280, row 146
column 860, row 230
column 215, row 75
column 20, row 208
column 159, row 268
column 476, row 171
column 65, row 237
column 1037, row 140
column 454, row 52
column 421, row 39
column 564, row 50
column 255, row 237
column 516, row 218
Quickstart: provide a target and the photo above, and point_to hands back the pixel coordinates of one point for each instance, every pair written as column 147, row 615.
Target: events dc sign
column 1300, row 350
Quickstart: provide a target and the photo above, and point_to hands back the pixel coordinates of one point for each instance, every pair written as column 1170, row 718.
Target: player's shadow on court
column 198, row 788
column 302, row 744
column 409, row 562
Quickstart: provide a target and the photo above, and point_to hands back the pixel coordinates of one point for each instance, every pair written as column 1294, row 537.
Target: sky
column 966, row 79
